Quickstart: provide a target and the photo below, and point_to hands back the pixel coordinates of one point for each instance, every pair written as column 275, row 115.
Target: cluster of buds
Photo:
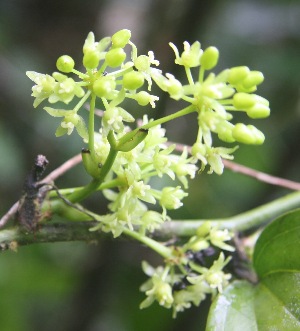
column 108, row 76
column 216, row 98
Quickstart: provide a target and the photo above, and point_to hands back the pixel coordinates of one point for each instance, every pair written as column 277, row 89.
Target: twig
column 12, row 211
column 261, row 176
column 62, row 169
column 79, row 231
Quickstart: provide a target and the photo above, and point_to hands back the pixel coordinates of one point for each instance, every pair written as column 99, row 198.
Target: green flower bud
column 209, row 58
column 243, row 100
column 225, row 133
column 92, row 167
column 133, row 80
column 199, row 245
column 237, row 74
column 258, row 111
column 120, row 39
column 254, row 78
column 65, row 63
column 91, row 59
column 174, row 87
column 247, row 134
column 115, row 57
column 203, row 230
column 104, row 86
column 142, row 63
column 143, row 98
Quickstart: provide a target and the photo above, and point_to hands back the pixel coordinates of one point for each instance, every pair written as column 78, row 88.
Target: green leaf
column 278, row 247
column 273, row 304
column 233, row 310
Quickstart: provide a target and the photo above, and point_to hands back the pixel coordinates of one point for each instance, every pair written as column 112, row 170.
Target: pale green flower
column 171, row 197
column 65, row 90
column 214, row 276
column 191, row 55
column 44, row 88
column 217, row 238
column 113, row 119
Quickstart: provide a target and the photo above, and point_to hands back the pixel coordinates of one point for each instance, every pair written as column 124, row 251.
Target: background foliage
column 83, row 287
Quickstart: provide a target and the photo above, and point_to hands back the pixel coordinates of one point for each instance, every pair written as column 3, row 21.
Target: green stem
column 69, row 231
column 96, row 182
column 107, row 185
column 162, row 250
column 82, row 101
column 180, row 113
column 201, row 74
column 92, row 125
column 241, row 222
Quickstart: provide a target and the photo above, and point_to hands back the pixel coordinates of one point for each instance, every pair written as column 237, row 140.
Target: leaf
column 233, row 310
column 278, row 247
column 273, row 304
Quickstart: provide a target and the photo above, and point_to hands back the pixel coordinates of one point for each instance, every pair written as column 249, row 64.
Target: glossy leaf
column 278, row 247
column 233, row 310
column 273, row 304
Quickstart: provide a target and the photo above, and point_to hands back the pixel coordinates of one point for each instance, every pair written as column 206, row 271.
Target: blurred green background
column 82, row 287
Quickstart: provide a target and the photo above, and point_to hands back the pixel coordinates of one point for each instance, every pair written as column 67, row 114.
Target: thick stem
column 241, row 222
column 79, row 231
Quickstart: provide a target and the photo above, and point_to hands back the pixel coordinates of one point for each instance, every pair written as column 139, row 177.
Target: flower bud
column 174, row 88
column 133, row 80
column 254, row 78
column 120, row 39
column 247, row 134
column 91, row 59
column 243, row 100
column 92, row 167
column 209, row 58
column 237, row 74
column 104, row 86
column 143, row 98
column 65, row 63
column 225, row 133
column 203, row 230
column 258, row 111
column 115, row 57
column 142, row 63
column 199, row 245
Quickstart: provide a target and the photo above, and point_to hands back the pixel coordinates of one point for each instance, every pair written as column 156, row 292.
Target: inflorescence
column 126, row 159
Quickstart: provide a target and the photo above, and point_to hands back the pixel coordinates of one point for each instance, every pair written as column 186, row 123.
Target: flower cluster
column 179, row 288
column 215, row 98
column 133, row 171
column 123, row 160
column 108, row 76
